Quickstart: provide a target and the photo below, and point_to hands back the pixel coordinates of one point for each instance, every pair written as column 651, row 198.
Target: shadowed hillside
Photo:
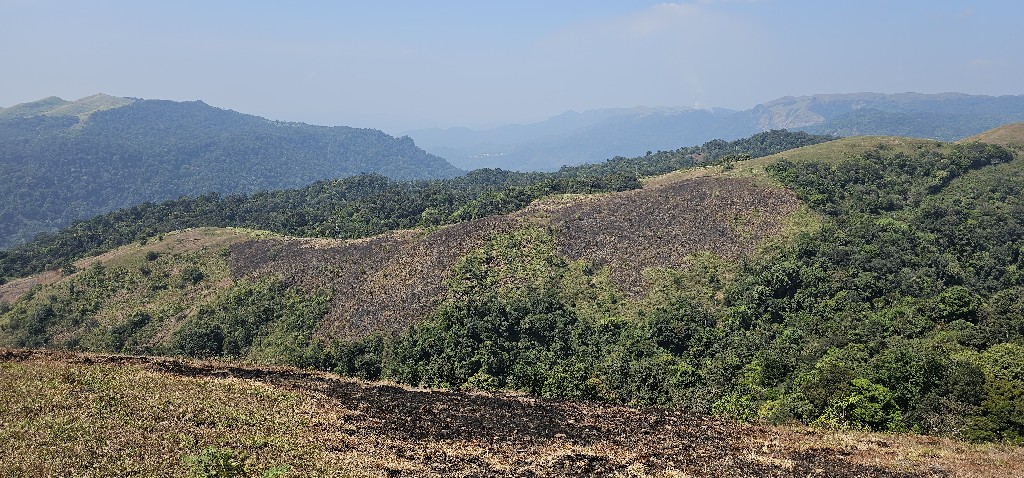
column 61, row 160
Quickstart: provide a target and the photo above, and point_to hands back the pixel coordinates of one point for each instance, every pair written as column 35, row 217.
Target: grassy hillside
column 34, row 108
column 57, row 107
column 391, row 281
column 99, row 415
column 61, row 161
column 366, row 205
column 1011, row 136
column 867, row 284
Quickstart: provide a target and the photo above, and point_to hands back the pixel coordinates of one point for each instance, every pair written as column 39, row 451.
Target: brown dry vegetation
column 1009, row 135
column 65, row 414
column 390, row 281
column 16, row 289
column 660, row 226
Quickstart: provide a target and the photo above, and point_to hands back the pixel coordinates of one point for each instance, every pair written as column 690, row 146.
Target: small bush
column 869, row 406
column 215, row 462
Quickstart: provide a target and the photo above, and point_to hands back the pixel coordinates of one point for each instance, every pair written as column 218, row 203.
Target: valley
column 580, row 137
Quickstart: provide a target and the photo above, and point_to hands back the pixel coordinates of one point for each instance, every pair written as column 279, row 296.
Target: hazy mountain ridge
column 629, row 132
column 54, row 106
column 61, row 160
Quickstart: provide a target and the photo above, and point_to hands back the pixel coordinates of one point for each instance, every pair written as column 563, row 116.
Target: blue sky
column 397, row 65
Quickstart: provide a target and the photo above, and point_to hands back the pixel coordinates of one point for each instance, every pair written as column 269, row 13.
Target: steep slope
column 61, row 161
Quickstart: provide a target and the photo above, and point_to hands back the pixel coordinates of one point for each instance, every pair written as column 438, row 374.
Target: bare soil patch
column 16, row 289
column 390, row 281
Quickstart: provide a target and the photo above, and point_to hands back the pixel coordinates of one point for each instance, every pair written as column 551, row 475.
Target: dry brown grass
column 665, row 223
column 16, row 289
column 932, row 456
column 1011, row 135
column 390, row 281
column 96, row 415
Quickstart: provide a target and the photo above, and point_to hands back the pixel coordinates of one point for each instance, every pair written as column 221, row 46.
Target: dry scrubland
column 65, row 414
column 204, row 239
column 390, row 281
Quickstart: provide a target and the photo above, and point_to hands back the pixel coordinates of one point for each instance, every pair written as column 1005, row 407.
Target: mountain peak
column 56, row 106
column 84, row 107
column 33, row 108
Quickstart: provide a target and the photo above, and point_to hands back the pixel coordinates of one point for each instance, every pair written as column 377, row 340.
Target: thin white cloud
column 667, row 51
column 660, row 18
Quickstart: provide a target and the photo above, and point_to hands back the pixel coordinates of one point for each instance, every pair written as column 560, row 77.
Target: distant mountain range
column 66, row 160
column 596, row 135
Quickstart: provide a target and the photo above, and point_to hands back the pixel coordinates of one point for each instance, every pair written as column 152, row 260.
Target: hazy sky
column 404, row 64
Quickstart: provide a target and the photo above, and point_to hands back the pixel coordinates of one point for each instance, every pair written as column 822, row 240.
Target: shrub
column 215, row 462
column 869, row 406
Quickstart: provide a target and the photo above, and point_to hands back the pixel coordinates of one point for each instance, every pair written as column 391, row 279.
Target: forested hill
column 365, row 205
column 866, row 283
column 61, row 161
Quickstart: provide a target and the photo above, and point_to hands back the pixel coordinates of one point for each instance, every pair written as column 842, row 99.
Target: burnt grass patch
column 388, row 282
column 498, row 435
column 661, row 226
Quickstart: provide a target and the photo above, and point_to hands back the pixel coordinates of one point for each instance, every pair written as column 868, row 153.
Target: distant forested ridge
column 364, row 205
column 61, row 161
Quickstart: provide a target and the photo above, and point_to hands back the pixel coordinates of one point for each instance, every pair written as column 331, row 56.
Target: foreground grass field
column 65, row 414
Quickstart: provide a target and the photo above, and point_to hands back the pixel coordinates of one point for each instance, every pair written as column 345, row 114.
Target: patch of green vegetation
column 521, row 317
column 64, row 419
column 180, row 301
column 259, row 321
